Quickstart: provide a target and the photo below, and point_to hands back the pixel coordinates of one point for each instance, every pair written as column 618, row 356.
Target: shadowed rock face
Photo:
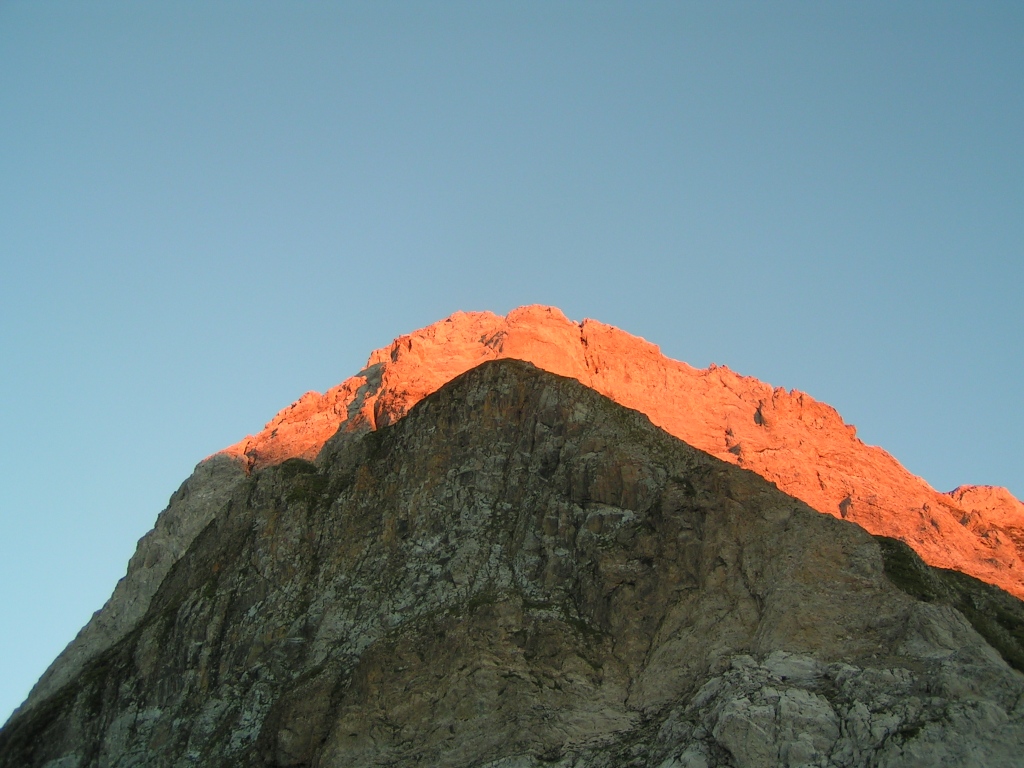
column 520, row 573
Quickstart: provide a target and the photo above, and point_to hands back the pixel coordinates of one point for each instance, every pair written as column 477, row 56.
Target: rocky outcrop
column 189, row 510
column 521, row 573
column 993, row 515
column 787, row 437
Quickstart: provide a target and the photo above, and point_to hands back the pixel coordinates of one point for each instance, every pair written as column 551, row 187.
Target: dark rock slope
column 523, row 573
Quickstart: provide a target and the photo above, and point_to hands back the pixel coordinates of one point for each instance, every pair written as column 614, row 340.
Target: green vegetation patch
column 304, row 483
column 996, row 615
column 291, row 468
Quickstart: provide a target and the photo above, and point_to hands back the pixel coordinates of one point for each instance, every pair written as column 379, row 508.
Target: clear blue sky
column 208, row 208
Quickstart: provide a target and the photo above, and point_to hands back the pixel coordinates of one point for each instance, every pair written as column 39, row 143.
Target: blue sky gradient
column 207, row 209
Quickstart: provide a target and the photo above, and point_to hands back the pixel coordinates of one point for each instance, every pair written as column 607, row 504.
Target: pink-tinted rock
column 800, row 444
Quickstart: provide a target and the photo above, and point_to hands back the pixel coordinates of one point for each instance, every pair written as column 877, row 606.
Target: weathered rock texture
column 521, row 573
column 800, row 444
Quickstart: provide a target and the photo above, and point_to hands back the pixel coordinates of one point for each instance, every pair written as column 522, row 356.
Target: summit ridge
column 802, row 445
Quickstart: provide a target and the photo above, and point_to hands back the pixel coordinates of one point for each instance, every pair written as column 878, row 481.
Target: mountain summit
column 796, row 442
column 456, row 558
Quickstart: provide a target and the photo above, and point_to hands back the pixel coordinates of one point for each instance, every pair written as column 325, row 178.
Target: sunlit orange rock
column 800, row 444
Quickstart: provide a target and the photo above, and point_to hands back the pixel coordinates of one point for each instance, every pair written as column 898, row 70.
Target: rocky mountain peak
column 800, row 444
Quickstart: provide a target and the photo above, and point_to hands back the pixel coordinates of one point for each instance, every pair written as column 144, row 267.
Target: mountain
column 454, row 559
column 798, row 443
column 801, row 445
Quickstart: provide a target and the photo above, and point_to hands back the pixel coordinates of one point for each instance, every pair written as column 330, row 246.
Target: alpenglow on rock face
column 801, row 445
column 517, row 571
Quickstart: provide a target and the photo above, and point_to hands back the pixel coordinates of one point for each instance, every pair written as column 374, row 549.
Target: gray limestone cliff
column 191, row 507
column 521, row 573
